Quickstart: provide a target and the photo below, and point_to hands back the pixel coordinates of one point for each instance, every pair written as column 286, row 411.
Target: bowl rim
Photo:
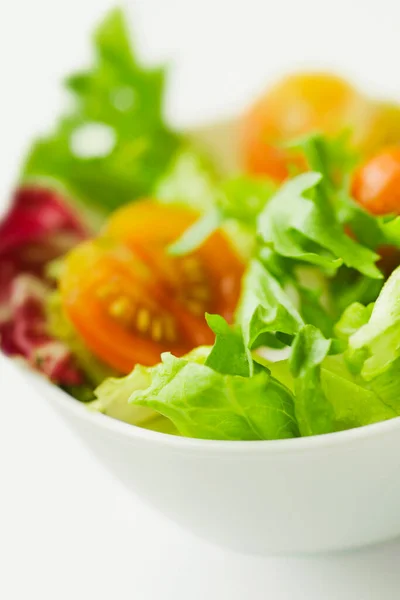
column 131, row 433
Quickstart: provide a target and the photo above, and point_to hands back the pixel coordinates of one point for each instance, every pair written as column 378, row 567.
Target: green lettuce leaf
column 243, row 198
column 112, row 396
column 113, row 393
column 191, row 179
column 233, row 205
column 204, row 403
column 376, row 344
column 197, row 234
column 348, row 287
column 387, row 387
column 229, row 354
column 335, row 159
column 313, row 311
column 306, row 286
column 355, row 316
column 328, row 397
column 355, row 402
column 314, row 413
column 113, row 144
column 265, row 307
column 299, row 223
column 344, row 401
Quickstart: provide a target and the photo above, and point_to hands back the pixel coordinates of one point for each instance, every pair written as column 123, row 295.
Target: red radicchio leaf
column 36, row 213
column 38, row 228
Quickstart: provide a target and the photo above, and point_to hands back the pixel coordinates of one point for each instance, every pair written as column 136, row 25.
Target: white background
column 67, row 529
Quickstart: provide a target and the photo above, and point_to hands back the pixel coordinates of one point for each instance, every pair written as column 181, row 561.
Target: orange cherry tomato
column 130, row 300
column 376, row 183
column 376, row 186
column 297, row 105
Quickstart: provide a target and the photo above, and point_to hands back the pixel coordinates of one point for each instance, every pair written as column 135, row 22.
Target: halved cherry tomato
column 376, row 186
column 376, row 183
column 297, row 105
column 130, row 300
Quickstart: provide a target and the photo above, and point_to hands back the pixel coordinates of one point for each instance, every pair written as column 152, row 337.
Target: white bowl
column 304, row 495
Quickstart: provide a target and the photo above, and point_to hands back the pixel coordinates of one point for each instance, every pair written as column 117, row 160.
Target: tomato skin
column 376, row 183
column 297, row 105
column 130, row 301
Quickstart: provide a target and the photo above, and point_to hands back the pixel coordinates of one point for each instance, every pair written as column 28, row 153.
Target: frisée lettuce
column 113, row 145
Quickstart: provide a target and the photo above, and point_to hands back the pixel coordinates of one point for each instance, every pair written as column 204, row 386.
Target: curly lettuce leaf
column 264, row 306
column 360, row 387
column 306, row 286
column 328, row 397
column 348, row 287
column 334, row 157
column 197, row 397
column 229, row 354
column 204, row 403
column 313, row 412
column 299, row 223
column 335, row 160
column 243, row 198
column 198, row 233
column 113, row 393
column 376, row 345
column 277, row 300
column 313, row 310
column 353, row 318
column 113, row 144
column 387, row 386
column 344, row 401
column 355, row 403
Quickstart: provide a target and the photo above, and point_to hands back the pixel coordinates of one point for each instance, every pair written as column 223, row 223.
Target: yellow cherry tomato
column 297, row 105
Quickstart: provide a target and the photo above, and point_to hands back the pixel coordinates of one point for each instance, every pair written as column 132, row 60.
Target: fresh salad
column 256, row 305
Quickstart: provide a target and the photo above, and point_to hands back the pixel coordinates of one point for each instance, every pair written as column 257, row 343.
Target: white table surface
column 67, row 529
